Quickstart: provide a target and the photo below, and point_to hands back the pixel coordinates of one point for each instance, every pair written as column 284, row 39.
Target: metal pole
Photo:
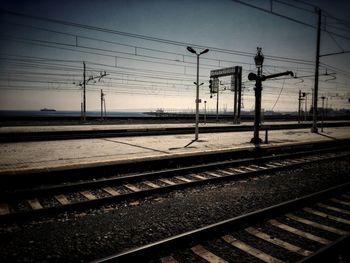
column 197, row 99
column 205, row 112
column 84, row 97
column 315, row 93
column 217, row 104
column 258, row 87
column 234, row 78
column 299, row 106
column 101, row 105
column 322, row 112
column 104, row 103
column 305, row 107
column 239, row 102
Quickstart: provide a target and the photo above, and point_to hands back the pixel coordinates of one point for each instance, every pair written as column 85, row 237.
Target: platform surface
column 26, row 157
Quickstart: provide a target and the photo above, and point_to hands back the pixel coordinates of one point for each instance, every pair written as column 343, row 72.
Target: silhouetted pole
column 237, row 99
column 217, row 104
column 234, row 79
column 102, row 104
column 84, row 91
column 239, row 102
column 306, row 107
column 205, row 112
column 322, row 112
column 299, row 117
column 190, row 49
column 315, row 93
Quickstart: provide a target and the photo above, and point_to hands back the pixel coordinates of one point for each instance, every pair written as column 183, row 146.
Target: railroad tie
column 237, row 170
column 207, row 255
column 198, row 176
column 278, row 242
column 299, row 232
column 250, row 250
column 150, row 184
column 271, row 165
column 132, row 187
column 34, row 204
column 258, row 167
column 250, row 169
column 88, row 195
column 62, row 199
column 166, row 181
column 110, row 191
column 213, row 174
column 335, row 200
column 336, row 209
column 316, row 225
column 226, row 172
column 325, row 215
column 183, row 179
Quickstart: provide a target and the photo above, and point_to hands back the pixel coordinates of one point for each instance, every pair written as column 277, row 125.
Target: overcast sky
column 141, row 45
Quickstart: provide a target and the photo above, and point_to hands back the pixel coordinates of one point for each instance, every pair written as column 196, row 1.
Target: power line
column 288, row 18
column 149, row 38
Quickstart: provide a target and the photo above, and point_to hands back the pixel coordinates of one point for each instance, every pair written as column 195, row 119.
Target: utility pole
column 306, row 115
column 239, row 102
column 323, row 98
column 315, row 92
column 84, row 91
column 237, row 99
column 102, row 99
column 299, row 106
column 217, row 103
column 234, row 80
column 205, row 112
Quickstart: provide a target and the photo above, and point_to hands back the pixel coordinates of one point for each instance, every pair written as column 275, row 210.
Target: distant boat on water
column 45, row 109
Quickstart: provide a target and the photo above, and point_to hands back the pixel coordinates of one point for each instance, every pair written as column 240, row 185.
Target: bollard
column 266, row 136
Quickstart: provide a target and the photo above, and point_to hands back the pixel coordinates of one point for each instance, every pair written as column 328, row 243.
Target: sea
column 58, row 113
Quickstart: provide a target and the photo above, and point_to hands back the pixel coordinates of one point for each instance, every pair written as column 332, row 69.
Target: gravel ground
column 88, row 235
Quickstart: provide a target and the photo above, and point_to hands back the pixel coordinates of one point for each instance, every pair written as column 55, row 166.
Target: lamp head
column 204, row 51
column 191, row 50
column 259, row 58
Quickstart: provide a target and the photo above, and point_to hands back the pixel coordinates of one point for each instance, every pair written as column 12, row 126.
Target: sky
column 135, row 51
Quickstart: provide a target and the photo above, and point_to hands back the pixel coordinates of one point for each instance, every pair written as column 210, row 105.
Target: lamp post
column 190, row 49
column 259, row 60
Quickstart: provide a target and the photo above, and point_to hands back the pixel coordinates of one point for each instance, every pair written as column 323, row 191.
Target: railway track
column 313, row 228
column 48, row 200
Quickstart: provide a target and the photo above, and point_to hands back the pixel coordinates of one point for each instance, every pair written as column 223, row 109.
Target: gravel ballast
column 96, row 233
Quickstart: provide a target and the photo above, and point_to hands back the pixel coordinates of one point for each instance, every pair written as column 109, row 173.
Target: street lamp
column 190, row 49
column 259, row 60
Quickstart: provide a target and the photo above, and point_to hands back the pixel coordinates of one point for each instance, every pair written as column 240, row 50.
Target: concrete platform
column 126, row 127
column 26, row 157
